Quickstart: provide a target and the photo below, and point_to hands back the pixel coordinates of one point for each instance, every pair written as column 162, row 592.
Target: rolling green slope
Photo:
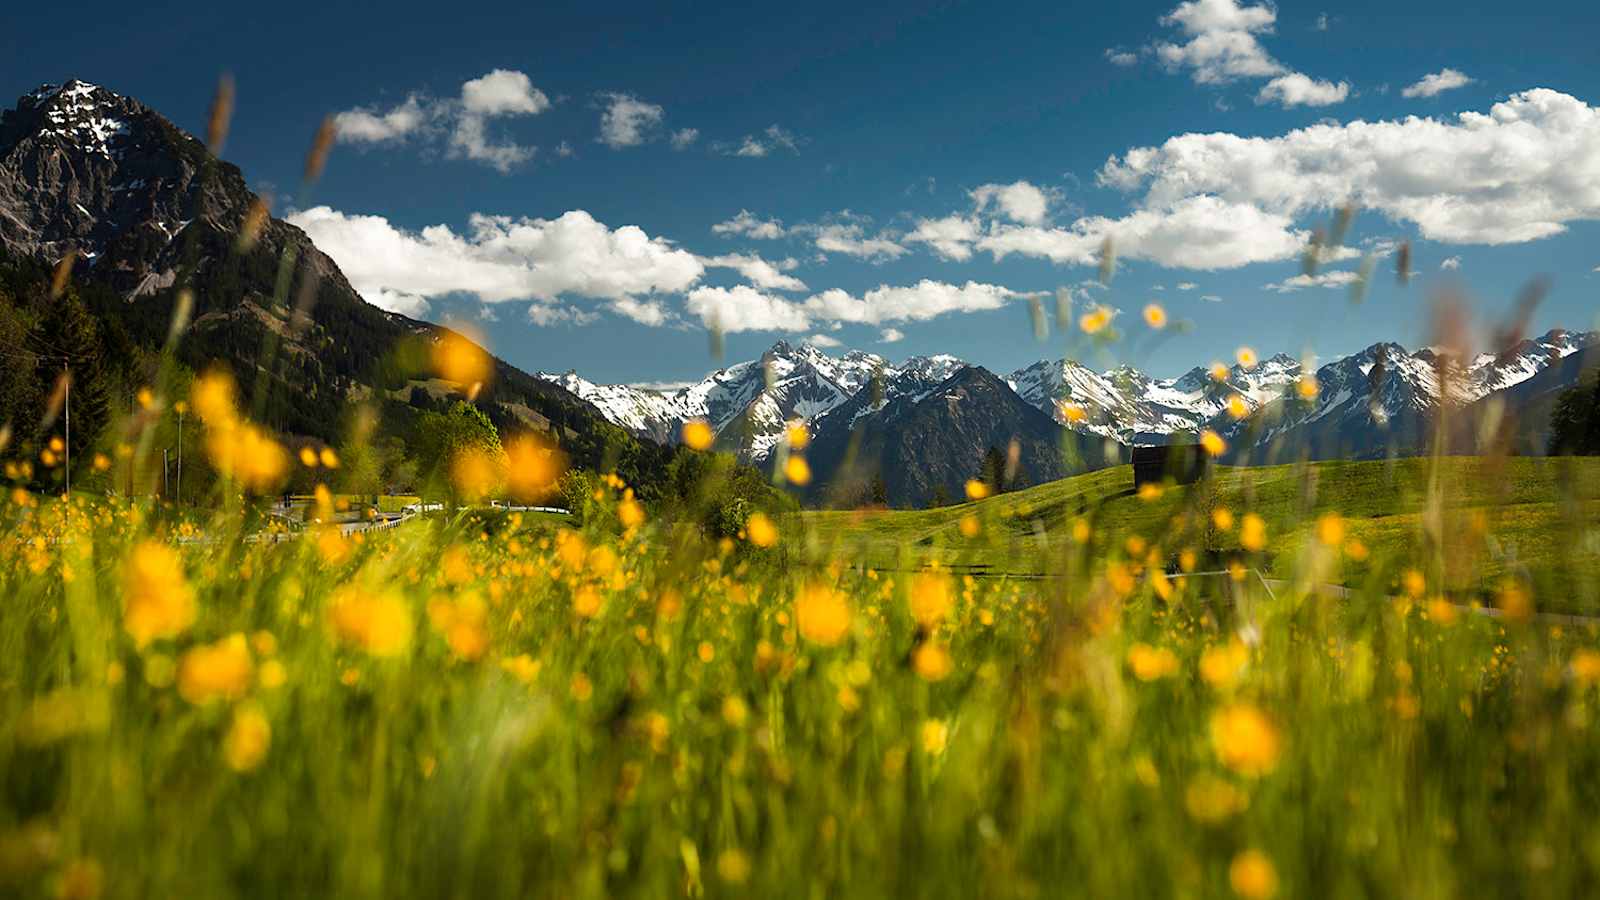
column 1474, row 520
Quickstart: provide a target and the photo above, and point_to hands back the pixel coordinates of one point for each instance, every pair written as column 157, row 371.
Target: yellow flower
column 248, row 738
column 1151, row 663
column 976, row 490
column 380, row 624
column 272, row 674
column 733, row 866
column 935, row 735
column 474, row 472
column 931, row 598
column 1586, row 667
column 735, row 712
column 460, row 360
column 157, row 600
column 1441, row 612
column 1213, row 443
column 1306, row 387
column 1219, row 371
column 630, row 513
column 220, row 671
column 1237, row 407
column 245, row 453
column 797, row 470
column 581, row 688
column 522, row 667
column 697, row 434
column 1246, row 357
column 1072, row 412
column 328, row 458
column 1210, row 800
column 587, row 602
column 1245, row 740
column 760, row 530
column 1330, row 529
column 706, row 652
column 1414, row 584
column 1155, row 316
column 308, row 457
column 213, row 397
column 1252, row 876
column 1220, row 666
column 1514, row 600
column 821, row 614
column 932, row 662
column 969, row 526
column 797, row 435
column 533, row 467
column 1252, row 532
column 1095, row 320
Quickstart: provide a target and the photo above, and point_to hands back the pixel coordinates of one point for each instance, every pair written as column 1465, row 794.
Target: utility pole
column 182, row 408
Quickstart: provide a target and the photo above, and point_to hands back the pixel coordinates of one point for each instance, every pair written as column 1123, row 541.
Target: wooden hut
column 1182, row 463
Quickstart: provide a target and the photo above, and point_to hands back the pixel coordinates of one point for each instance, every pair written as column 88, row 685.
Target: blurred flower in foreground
column 798, row 436
column 220, row 671
column 932, row 662
column 460, row 360
column 157, row 600
column 533, row 466
column 1246, row 357
column 1252, row 876
column 697, row 434
column 931, row 598
column 760, row 530
column 1245, row 740
column 1151, row 663
column 1155, row 316
column 822, row 614
column 248, row 738
column 976, row 490
column 378, row 623
column 1213, row 443
column 1252, row 533
column 935, row 735
column 797, row 471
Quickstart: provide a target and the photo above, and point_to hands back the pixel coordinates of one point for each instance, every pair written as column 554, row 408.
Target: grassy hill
column 1475, row 520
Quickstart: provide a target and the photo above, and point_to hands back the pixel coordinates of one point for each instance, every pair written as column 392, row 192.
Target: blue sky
column 530, row 171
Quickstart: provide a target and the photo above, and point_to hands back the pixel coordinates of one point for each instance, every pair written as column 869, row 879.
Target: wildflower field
column 481, row 704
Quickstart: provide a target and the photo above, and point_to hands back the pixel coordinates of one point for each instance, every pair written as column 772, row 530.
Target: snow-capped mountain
column 748, row 404
column 1381, row 396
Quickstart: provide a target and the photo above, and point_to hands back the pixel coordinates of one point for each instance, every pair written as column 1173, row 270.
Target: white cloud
column 775, row 137
column 628, row 121
column 462, row 122
column 1518, row 173
column 1120, row 57
column 1222, row 45
column 1211, row 298
column 503, row 93
column 824, row 341
column 1187, row 285
column 1437, row 83
column 683, row 137
column 1018, row 201
column 743, row 308
column 1329, row 279
column 758, row 271
column 924, row 300
column 1295, row 89
column 1450, row 264
column 1322, row 21
column 1200, row 232
column 500, row 259
column 564, row 150
column 851, row 239
column 369, row 126
column 749, row 225
column 891, row 336
column 545, row 316
column 951, row 237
